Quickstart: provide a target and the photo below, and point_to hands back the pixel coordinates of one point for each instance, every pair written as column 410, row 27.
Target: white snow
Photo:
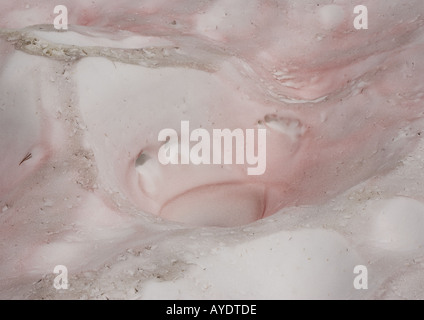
column 331, row 16
column 346, row 168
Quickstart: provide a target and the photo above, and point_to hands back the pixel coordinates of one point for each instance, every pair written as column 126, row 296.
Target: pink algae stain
column 87, row 17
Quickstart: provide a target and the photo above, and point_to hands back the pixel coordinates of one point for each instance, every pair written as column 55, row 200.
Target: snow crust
column 345, row 176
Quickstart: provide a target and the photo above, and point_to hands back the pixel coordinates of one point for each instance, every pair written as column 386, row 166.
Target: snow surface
column 345, row 114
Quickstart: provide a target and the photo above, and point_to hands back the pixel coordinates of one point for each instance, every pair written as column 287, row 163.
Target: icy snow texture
column 343, row 109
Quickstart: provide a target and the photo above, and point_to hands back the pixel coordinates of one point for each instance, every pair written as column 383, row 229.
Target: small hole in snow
column 142, row 159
